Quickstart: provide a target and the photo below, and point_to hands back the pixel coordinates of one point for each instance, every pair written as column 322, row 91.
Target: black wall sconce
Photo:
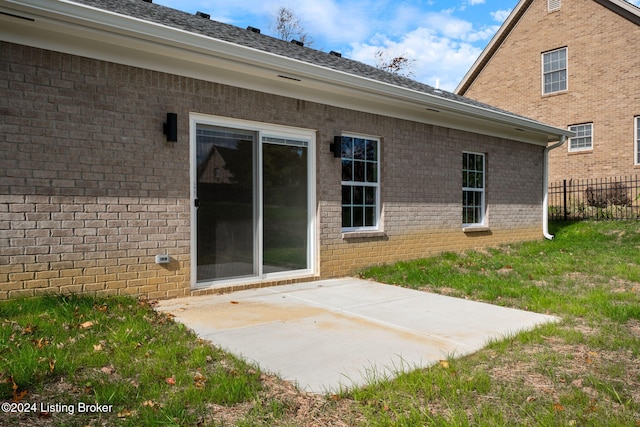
column 336, row 146
column 171, row 127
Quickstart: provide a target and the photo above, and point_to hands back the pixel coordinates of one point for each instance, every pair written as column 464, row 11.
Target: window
column 360, row 183
column 553, row 5
column 473, row 174
column 554, row 71
column 583, row 139
column 637, row 139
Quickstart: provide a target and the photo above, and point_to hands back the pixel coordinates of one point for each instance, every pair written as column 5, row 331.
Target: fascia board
column 627, row 6
column 334, row 87
column 622, row 8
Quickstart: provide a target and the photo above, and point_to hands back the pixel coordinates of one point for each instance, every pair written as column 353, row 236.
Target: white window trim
column 580, row 149
column 636, row 140
column 378, row 226
column 483, row 209
column 263, row 130
column 542, row 73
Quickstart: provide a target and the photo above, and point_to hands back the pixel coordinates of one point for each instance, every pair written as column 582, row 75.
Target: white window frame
column 545, row 72
column 636, row 139
column 574, row 146
column 481, row 190
column 553, row 5
column 374, row 185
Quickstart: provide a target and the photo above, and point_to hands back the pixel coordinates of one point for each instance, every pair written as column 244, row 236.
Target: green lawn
column 582, row 371
column 142, row 367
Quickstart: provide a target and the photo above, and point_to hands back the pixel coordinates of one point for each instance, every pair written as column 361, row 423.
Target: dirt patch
column 634, row 327
column 583, row 279
column 619, row 285
column 554, row 368
column 293, row 407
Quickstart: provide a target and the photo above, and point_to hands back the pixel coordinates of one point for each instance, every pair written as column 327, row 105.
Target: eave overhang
column 73, row 28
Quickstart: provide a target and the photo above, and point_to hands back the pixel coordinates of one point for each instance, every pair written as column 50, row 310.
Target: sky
column 441, row 38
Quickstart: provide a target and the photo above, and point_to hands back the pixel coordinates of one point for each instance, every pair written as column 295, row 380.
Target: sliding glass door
column 284, row 208
column 225, row 203
column 252, row 198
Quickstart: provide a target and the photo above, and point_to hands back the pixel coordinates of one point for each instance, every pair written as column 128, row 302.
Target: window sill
column 476, row 229
column 353, row 235
column 576, row 152
column 550, row 94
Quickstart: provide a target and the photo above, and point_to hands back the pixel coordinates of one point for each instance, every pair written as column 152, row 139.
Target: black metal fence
column 598, row 199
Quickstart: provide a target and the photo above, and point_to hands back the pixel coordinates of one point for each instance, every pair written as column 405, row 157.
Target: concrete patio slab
column 344, row 333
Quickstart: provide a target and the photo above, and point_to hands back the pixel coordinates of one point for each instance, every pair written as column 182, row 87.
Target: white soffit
column 95, row 33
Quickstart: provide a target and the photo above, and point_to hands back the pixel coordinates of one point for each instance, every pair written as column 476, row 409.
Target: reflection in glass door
column 226, row 211
column 252, row 191
column 284, row 209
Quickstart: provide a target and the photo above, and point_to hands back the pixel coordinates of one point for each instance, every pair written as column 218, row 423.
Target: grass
column 584, row 370
column 112, row 351
column 581, row 371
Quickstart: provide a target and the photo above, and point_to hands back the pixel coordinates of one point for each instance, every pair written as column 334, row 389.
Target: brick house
column 567, row 62
column 152, row 152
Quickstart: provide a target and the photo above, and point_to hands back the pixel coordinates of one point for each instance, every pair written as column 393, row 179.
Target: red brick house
column 153, row 152
column 568, row 63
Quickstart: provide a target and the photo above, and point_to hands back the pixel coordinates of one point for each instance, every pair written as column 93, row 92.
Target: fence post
column 564, row 198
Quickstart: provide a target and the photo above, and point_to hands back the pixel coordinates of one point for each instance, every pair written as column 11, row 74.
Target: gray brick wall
column 90, row 191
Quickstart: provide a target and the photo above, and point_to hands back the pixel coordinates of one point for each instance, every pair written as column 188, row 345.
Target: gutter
column 251, row 68
column 545, row 189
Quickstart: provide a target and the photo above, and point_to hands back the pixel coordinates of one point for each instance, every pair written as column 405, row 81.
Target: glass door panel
column 226, row 213
column 285, row 199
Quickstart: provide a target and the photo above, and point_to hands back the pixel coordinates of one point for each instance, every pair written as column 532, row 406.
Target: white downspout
column 545, row 189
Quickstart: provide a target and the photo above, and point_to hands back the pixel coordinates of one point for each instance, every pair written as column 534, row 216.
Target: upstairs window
column 583, row 139
column 553, row 5
column 554, row 71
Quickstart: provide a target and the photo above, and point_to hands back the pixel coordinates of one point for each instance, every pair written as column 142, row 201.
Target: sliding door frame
column 262, row 130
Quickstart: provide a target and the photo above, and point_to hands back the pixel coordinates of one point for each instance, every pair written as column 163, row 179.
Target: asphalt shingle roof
column 198, row 25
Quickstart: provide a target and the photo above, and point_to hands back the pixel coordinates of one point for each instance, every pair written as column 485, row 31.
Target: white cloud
column 448, row 25
column 333, row 22
column 434, row 57
column 482, row 34
column 500, row 15
column 475, row 2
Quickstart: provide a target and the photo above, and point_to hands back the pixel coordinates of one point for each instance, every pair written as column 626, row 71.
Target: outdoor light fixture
column 336, row 146
column 171, row 127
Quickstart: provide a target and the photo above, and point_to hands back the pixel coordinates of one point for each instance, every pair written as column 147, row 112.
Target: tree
column 400, row 65
column 288, row 27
